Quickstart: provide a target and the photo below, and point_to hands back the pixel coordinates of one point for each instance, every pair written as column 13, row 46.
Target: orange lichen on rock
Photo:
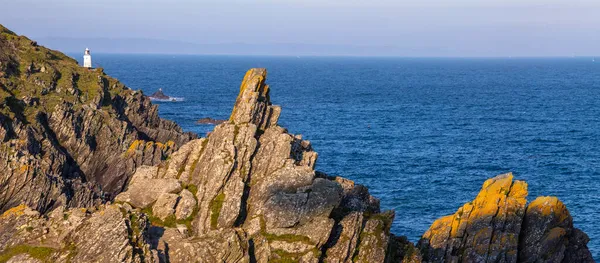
column 134, row 145
column 253, row 104
column 15, row 211
column 549, row 205
column 24, row 168
column 485, row 229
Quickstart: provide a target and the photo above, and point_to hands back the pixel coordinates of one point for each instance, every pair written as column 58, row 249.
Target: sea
column 422, row 134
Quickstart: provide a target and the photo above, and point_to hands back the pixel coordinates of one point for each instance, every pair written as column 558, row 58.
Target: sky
column 470, row 28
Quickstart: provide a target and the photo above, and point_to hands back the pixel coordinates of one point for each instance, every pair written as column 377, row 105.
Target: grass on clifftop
column 40, row 253
column 34, row 78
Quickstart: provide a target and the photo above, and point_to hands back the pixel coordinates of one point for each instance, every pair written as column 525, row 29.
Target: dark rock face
column 248, row 192
column 159, row 95
column 68, row 135
column 548, row 234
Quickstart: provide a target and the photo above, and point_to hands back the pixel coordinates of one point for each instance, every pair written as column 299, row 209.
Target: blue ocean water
column 423, row 134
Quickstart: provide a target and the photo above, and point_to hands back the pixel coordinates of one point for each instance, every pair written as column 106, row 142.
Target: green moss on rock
column 215, row 209
column 40, row 253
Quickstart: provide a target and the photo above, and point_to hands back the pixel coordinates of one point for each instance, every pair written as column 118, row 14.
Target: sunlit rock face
column 258, row 197
column 484, row 230
column 497, row 226
column 137, row 189
column 108, row 233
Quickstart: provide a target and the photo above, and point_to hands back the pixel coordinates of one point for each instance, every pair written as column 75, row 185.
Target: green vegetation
column 180, row 170
column 172, row 221
column 41, row 253
column 215, row 209
column 35, row 79
column 72, row 249
column 192, row 188
column 236, row 131
column 155, row 221
column 287, row 238
column 287, row 257
column 133, row 218
column 383, row 226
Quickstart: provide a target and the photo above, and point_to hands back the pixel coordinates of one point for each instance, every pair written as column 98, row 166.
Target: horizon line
column 341, row 56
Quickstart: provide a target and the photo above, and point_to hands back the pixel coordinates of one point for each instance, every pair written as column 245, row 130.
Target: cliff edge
column 69, row 135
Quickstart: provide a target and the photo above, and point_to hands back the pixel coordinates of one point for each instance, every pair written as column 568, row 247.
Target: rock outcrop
column 248, row 192
column 548, row 234
column 257, row 195
column 498, row 226
column 159, row 95
column 109, row 233
column 69, row 135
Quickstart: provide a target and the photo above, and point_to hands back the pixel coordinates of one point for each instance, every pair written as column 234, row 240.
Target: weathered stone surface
column 165, row 205
column 357, row 197
column 108, row 234
column 113, row 245
column 217, row 246
column 213, row 171
column 24, row 258
column 142, row 173
column 186, row 205
column 485, row 230
column 374, row 238
column 346, row 238
column 145, row 191
column 577, row 250
column 253, row 104
column 181, row 162
column 289, row 209
column 548, row 232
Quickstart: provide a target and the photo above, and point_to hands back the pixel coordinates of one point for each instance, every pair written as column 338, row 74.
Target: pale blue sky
column 406, row 28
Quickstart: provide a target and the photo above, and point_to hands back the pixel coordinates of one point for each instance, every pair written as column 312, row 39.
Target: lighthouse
column 87, row 59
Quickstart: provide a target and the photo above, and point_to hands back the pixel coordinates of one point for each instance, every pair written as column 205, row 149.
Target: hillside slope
column 70, row 135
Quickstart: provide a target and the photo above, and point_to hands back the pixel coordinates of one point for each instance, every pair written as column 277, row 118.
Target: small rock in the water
column 208, row 120
column 159, row 95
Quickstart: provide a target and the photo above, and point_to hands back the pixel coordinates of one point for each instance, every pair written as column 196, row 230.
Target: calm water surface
column 422, row 134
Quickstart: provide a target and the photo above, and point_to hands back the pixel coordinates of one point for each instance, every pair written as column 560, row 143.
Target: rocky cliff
column 248, row 192
column 68, row 135
column 499, row 226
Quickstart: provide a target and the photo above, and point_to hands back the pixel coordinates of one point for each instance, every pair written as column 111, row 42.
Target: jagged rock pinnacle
column 253, row 104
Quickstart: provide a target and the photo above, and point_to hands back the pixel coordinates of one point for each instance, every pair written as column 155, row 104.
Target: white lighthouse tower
column 87, row 59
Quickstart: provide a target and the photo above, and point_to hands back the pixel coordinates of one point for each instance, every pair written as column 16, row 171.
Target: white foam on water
column 171, row 99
